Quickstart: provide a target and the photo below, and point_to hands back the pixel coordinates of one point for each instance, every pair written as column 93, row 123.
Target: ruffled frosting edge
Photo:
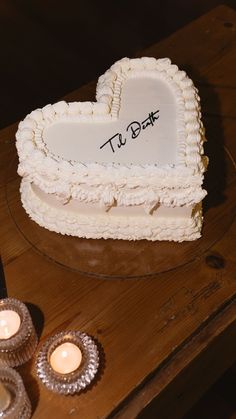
column 49, row 172
column 105, row 226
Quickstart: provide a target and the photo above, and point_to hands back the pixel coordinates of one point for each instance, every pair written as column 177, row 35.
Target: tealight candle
column 18, row 339
column 68, row 362
column 9, row 323
column 14, row 401
column 66, row 358
column 5, row 398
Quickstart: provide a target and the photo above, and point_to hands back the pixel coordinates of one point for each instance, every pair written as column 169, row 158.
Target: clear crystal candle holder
column 18, row 348
column 19, row 406
column 75, row 381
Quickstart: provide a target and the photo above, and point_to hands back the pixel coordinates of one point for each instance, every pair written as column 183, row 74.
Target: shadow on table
column 37, row 318
column 215, row 179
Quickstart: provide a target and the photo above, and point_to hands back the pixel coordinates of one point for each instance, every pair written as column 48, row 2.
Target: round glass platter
column 131, row 259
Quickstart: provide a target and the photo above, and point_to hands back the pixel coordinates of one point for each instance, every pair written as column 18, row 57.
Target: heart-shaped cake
column 129, row 166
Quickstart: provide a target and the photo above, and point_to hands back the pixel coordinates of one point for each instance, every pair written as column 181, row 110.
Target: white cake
column 129, row 166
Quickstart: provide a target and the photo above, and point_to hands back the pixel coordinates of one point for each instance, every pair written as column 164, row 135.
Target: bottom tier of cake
column 89, row 220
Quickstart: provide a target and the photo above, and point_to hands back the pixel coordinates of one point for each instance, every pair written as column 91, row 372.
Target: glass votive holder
column 67, row 362
column 14, row 402
column 18, row 339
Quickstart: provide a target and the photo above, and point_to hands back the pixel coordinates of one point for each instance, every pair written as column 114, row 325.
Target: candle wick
column 64, row 354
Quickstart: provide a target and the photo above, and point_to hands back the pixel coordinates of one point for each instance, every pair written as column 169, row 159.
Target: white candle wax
column 5, row 398
column 66, row 358
column 9, row 323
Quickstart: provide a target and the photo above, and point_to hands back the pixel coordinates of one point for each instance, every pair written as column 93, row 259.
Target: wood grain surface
column 163, row 314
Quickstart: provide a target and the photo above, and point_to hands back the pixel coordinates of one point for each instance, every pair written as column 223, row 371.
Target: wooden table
column 164, row 314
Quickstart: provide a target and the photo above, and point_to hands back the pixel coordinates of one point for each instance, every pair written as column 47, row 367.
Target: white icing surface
column 81, row 141
column 60, row 152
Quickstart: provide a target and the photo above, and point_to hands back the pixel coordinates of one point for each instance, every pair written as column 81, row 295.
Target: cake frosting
column 129, row 166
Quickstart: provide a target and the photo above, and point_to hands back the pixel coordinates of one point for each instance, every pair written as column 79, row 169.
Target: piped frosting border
column 67, row 179
column 107, row 226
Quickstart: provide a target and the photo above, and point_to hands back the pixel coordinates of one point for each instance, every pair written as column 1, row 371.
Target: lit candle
column 9, row 323
column 66, row 358
column 5, row 398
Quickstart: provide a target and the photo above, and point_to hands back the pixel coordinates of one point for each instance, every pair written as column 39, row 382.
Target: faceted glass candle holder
column 20, row 346
column 70, row 382
column 19, row 405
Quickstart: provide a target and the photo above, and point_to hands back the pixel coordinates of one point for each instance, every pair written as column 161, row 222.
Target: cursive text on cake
column 133, row 130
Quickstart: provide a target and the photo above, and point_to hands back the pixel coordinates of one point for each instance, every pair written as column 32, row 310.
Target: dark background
column 50, row 47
